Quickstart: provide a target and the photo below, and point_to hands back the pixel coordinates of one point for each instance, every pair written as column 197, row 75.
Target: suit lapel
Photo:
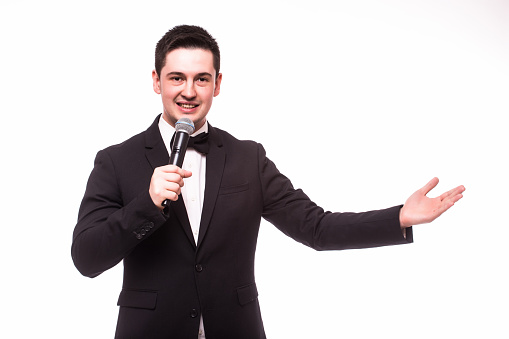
column 155, row 150
column 157, row 155
column 213, row 175
column 179, row 208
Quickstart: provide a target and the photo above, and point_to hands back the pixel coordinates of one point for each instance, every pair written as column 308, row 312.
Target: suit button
column 198, row 268
column 194, row 313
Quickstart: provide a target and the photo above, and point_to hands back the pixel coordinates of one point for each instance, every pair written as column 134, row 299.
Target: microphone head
column 184, row 125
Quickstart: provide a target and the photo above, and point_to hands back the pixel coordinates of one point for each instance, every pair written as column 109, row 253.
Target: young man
column 189, row 270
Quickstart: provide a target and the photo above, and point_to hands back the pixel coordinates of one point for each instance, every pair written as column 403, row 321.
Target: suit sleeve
column 291, row 211
column 107, row 229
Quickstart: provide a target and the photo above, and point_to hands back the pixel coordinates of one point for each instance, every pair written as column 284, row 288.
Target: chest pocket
column 234, row 189
column 247, row 294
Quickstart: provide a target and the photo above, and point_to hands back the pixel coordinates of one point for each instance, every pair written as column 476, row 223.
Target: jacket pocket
column 247, row 294
column 234, row 189
column 138, row 299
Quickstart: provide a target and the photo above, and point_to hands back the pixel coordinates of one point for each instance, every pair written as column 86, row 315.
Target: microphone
column 184, row 127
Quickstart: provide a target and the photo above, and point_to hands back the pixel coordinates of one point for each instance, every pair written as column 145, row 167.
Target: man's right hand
column 166, row 183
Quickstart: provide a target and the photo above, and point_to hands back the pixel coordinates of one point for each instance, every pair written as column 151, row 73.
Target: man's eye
column 176, row 79
column 202, row 79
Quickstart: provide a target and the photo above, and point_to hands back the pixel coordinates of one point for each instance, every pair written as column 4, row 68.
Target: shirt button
column 198, row 268
column 194, row 313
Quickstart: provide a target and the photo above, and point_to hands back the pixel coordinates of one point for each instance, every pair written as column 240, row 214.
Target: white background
column 401, row 90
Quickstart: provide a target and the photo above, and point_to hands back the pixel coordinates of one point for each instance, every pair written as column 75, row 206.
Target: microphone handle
column 178, row 151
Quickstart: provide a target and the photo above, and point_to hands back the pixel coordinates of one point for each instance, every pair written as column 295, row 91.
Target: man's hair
column 186, row 36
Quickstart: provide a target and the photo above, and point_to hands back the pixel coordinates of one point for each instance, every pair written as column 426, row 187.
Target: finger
column 177, row 170
column 456, row 198
column 453, row 192
column 449, row 201
column 174, row 177
column 172, row 187
column 169, row 169
column 170, row 195
column 430, row 185
column 171, row 191
column 452, row 199
column 185, row 173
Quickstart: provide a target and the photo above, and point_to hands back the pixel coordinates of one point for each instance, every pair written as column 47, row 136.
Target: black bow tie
column 199, row 143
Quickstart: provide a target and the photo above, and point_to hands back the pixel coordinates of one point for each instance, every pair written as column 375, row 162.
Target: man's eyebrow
column 180, row 74
column 204, row 74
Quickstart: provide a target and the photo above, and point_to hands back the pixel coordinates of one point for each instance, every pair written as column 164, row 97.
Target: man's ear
column 156, row 82
column 217, row 88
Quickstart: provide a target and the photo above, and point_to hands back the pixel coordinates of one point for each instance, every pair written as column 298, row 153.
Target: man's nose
column 189, row 91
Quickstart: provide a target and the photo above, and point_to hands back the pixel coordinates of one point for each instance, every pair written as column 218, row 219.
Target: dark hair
column 185, row 36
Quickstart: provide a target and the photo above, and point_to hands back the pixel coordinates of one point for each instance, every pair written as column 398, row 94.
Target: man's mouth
column 187, row 106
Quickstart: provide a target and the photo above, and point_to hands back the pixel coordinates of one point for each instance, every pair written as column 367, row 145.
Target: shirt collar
column 168, row 130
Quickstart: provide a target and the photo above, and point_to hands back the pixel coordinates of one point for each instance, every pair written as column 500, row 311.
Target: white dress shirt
column 193, row 190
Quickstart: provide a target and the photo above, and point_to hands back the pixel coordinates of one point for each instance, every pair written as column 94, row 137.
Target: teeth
column 187, row 106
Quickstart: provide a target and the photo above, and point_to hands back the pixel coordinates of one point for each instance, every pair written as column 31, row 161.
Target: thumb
column 430, row 185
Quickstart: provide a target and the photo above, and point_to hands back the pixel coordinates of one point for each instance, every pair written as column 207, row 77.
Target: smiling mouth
column 187, row 106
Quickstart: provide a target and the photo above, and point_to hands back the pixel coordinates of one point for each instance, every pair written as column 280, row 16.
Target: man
column 189, row 269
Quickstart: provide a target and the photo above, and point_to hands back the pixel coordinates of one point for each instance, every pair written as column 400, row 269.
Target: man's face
column 187, row 85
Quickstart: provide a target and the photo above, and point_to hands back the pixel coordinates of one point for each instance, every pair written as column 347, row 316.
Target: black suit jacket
column 169, row 280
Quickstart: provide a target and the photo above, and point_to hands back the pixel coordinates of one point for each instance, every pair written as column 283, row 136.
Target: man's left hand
column 419, row 209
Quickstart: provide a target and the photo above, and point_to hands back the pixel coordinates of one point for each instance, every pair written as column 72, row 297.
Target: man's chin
column 197, row 120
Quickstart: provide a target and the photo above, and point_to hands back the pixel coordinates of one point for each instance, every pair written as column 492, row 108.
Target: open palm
column 420, row 209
